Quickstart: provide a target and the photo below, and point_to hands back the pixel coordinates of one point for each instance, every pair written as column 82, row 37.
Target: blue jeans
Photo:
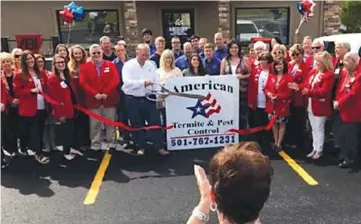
column 140, row 110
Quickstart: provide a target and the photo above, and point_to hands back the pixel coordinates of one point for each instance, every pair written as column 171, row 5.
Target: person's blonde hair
column 297, row 48
column 166, row 53
column 72, row 65
column 159, row 39
column 279, row 47
column 5, row 56
column 325, row 58
column 208, row 46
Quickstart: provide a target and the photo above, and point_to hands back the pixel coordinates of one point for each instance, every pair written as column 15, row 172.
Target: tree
column 350, row 16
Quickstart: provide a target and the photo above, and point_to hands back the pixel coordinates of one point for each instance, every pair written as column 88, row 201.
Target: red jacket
column 283, row 94
column 106, row 83
column 60, row 92
column 299, row 76
column 348, row 96
column 27, row 99
column 253, row 86
column 320, row 93
column 4, row 95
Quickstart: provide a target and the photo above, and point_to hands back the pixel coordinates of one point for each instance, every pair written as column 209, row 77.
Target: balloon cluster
column 72, row 13
column 305, row 8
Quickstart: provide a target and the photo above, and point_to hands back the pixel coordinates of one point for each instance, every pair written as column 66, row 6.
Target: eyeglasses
column 176, row 42
column 97, row 52
column 40, row 62
column 316, row 48
column 60, row 62
column 295, row 54
column 277, row 52
column 17, row 56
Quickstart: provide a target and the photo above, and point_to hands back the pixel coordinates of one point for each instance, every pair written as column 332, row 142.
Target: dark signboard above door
column 177, row 22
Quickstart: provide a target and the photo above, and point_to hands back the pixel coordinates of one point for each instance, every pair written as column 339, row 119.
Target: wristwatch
column 200, row 215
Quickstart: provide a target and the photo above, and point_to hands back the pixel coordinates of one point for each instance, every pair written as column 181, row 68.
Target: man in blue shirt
column 195, row 43
column 122, row 58
column 147, row 36
column 176, row 47
column 183, row 61
column 220, row 50
column 210, row 62
column 202, row 42
column 159, row 45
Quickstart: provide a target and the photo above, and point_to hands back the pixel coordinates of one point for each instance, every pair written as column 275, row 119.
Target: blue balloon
column 79, row 13
column 71, row 6
column 300, row 8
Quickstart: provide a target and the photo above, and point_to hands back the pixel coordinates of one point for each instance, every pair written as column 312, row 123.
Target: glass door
column 177, row 22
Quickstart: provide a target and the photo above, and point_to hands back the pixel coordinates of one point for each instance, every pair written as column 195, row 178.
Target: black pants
column 123, row 117
column 31, row 130
column 140, row 109
column 82, row 126
column 10, row 130
column 348, row 137
column 260, row 118
column 65, row 134
column 296, row 125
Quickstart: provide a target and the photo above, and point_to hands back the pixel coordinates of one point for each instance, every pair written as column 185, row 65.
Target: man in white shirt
column 138, row 75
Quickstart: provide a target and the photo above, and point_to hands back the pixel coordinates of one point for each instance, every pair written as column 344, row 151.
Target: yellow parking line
column 298, row 169
column 98, row 179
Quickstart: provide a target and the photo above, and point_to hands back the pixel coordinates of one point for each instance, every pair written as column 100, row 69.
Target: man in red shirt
column 99, row 79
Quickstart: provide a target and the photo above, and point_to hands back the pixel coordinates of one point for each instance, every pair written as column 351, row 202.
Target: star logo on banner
column 205, row 107
column 198, row 109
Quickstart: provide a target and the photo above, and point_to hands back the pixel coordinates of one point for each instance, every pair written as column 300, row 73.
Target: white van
column 246, row 29
column 353, row 38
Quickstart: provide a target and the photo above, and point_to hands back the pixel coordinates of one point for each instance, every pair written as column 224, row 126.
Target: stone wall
column 331, row 17
column 131, row 26
column 224, row 18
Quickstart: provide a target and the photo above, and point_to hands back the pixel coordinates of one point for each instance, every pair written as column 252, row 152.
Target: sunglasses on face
column 17, row 56
column 295, row 54
column 317, row 48
column 97, row 52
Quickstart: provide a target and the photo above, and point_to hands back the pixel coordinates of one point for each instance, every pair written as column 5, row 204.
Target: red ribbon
column 128, row 128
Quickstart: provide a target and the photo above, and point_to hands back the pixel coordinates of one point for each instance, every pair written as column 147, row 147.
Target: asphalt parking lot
column 155, row 189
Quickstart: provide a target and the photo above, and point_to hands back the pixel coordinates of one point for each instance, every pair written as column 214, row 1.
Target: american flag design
column 210, row 105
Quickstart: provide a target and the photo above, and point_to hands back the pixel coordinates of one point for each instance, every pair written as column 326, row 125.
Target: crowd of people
column 311, row 92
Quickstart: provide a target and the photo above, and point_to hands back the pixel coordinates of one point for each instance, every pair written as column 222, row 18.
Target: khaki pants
column 96, row 128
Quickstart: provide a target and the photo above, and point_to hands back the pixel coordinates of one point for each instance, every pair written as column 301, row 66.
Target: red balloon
column 66, row 15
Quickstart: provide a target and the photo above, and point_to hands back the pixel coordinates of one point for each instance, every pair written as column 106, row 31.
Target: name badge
column 63, row 85
column 337, row 71
column 106, row 69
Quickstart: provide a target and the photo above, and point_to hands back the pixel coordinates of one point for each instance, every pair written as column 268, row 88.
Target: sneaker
column 69, row 156
column 163, row 152
column 76, row 152
column 140, row 152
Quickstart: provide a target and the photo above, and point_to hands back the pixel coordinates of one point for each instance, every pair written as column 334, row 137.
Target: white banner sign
column 202, row 123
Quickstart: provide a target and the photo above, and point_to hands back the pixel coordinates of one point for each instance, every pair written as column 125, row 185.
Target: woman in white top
column 165, row 71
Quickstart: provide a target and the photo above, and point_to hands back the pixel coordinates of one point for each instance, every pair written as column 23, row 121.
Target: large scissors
column 159, row 92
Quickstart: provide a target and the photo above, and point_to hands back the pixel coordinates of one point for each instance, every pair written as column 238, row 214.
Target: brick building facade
column 231, row 18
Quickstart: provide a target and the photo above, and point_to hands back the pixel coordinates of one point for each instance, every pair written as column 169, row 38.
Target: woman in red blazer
column 10, row 140
column 318, row 88
column 78, row 56
column 296, row 125
column 256, row 96
column 32, row 107
column 278, row 100
column 61, row 90
column 348, row 105
column 4, row 119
